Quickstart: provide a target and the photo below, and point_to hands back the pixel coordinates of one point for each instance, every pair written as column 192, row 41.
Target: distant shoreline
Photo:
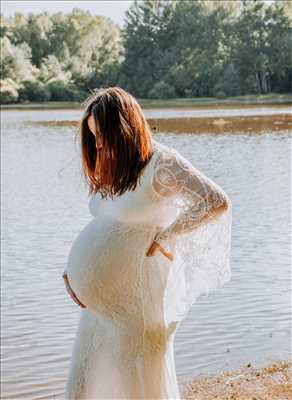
column 273, row 100
column 271, row 382
column 248, row 124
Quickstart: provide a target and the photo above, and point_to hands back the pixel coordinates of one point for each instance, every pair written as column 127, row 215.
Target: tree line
column 166, row 49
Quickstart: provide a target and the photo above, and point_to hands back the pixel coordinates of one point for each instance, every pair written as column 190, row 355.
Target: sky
column 114, row 9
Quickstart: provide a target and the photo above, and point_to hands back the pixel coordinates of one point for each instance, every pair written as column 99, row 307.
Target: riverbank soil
column 232, row 125
column 273, row 382
column 214, row 125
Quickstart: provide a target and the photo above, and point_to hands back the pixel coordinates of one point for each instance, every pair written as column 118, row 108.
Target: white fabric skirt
column 123, row 348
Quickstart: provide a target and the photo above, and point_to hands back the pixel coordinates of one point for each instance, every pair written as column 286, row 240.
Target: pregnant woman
column 159, row 238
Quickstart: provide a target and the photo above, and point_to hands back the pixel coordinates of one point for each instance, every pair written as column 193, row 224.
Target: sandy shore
column 213, row 125
column 273, row 382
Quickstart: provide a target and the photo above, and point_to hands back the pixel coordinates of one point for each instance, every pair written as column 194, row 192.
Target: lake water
column 45, row 205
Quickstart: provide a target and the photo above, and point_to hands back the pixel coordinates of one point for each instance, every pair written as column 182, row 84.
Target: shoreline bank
column 201, row 125
column 273, row 382
column 273, row 100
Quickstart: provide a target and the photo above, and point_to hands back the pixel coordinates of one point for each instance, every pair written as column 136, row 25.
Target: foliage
column 166, row 49
column 34, row 91
column 162, row 90
column 61, row 91
column 8, row 92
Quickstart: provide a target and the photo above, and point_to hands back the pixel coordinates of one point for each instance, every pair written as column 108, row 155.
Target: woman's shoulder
column 159, row 145
column 168, row 156
column 164, row 150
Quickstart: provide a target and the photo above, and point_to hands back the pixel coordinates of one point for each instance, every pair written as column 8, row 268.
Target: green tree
column 16, row 61
column 261, row 48
column 35, row 31
column 145, row 26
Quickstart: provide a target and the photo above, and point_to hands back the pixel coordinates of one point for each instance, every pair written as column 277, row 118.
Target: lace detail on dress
column 189, row 189
column 200, row 234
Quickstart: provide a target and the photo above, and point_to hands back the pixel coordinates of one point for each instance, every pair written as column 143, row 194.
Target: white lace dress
column 134, row 303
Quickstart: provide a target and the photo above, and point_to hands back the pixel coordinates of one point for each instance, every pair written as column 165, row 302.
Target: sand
column 273, row 382
column 249, row 124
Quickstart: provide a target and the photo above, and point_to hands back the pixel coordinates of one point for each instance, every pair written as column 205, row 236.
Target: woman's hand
column 70, row 291
column 155, row 247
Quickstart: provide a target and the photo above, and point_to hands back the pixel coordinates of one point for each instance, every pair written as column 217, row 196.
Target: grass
column 272, row 98
column 247, row 100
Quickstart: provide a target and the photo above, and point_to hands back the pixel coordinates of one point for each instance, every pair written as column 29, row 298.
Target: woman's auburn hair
column 126, row 141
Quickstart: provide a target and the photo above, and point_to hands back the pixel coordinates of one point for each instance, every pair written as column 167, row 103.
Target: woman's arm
column 201, row 198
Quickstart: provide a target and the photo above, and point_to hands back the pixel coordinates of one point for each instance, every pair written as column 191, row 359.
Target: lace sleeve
column 197, row 196
column 199, row 236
